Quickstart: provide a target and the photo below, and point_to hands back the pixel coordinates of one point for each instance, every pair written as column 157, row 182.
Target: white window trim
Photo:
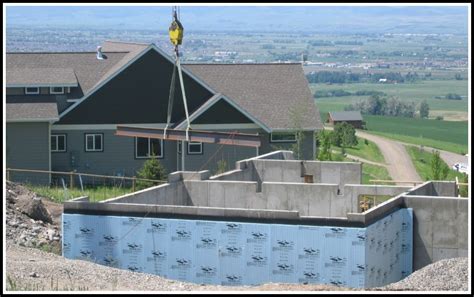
column 32, row 93
column 93, row 142
column 57, row 143
column 195, row 143
column 148, row 156
column 288, row 141
column 56, row 93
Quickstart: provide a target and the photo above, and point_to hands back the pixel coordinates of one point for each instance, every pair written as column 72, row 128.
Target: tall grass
column 95, row 194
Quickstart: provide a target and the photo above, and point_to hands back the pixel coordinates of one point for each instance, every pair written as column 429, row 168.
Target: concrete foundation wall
column 440, row 228
column 436, row 188
column 280, row 167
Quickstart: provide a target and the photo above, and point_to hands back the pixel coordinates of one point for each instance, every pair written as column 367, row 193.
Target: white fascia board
column 293, row 129
column 104, row 126
column 226, row 126
column 233, row 104
column 70, row 108
column 40, row 85
column 33, row 120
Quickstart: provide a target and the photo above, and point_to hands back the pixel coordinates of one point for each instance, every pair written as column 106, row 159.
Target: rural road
column 399, row 164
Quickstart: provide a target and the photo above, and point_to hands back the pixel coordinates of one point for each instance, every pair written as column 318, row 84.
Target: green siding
column 139, row 94
column 28, row 148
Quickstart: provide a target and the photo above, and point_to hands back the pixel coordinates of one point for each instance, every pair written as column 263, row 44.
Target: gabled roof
column 28, row 109
column 38, row 77
column 268, row 92
column 88, row 70
column 345, row 115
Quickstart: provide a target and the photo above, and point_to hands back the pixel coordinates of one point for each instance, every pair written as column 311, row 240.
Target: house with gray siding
column 63, row 108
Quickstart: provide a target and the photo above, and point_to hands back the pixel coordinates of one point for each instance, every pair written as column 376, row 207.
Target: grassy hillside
column 422, row 162
column 370, row 172
column 445, row 135
column 368, row 151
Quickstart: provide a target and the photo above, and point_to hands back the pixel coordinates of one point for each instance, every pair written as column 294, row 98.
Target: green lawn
column 422, row 161
column 368, row 151
column 370, row 172
column 58, row 194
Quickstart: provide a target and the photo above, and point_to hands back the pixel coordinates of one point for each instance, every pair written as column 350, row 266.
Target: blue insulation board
column 234, row 253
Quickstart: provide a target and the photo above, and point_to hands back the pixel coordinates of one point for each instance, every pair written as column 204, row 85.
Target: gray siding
column 306, row 148
column 118, row 156
column 28, row 148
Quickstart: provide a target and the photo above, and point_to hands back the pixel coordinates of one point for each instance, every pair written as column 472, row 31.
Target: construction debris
column 29, row 223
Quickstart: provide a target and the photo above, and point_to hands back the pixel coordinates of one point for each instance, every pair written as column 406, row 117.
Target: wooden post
column 133, row 184
column 71, row 179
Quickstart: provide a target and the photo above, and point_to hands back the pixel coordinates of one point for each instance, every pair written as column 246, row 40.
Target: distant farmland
column 445, row 135
column 405, row 91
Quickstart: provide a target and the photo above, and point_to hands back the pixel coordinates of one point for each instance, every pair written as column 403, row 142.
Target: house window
column 283, row 137
column 56, row 90
column 58, row 142
column 180, row 145
column 94, row 143
column 148, row 147
column 195, row 148
column 32, row 91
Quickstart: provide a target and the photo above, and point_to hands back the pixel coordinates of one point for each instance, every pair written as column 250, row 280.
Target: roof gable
column 266, row 91
column 346, row 115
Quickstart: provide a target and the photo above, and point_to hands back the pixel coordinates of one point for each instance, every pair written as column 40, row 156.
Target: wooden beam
column 228, row 138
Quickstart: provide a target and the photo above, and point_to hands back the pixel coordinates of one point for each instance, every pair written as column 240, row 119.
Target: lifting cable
column 176, row 37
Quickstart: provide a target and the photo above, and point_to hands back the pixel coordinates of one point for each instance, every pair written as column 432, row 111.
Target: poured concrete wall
column 440, row 228
column 436, row 188
column 293, row 171
column 325, row 200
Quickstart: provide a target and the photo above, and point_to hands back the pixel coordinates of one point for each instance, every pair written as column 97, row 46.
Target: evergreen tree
column 152, row 169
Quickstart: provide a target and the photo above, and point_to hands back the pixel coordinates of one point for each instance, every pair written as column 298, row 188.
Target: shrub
column 152, row 169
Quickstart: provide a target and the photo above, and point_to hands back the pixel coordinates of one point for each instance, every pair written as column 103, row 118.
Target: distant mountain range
column 311, row 19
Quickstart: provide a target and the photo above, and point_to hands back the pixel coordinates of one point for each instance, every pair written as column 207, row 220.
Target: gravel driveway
column 399, row 164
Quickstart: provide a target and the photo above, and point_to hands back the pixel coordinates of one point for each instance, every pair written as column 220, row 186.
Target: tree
column 424, row 109
column 296, row 116
column 324, row 138
column 344, row 135
column 439, row 169
column 152, row 169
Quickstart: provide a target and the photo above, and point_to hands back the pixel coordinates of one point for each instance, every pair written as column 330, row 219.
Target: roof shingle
column 269, row 92
column 36, row 77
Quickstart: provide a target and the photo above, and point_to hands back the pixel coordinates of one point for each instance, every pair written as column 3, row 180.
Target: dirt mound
column 29, row 220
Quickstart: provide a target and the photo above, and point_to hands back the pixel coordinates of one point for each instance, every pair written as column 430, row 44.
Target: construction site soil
column 34, row 261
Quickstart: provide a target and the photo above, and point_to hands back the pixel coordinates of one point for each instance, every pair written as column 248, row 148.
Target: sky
column 311, row 19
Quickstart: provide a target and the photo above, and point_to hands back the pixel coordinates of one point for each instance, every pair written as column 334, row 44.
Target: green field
column 416, row 92
column 422, row 162
column 445, row 135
